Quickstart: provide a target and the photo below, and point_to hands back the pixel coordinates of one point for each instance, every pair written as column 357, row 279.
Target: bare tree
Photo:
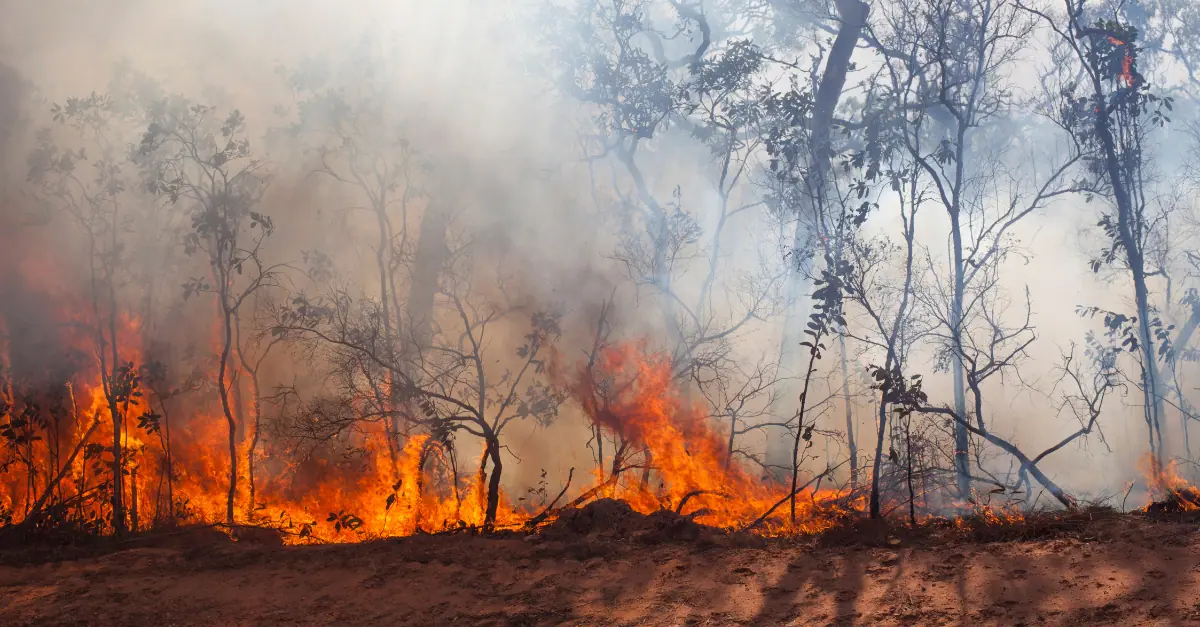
column 348, row 116
column 811, row 154
column 97, row 203
column 251, row 353
column 189, row 155
column 157, row 422
column 948, row 58
column 1111, row 112
column 886, row 297
column 654, row 78
column 448, row 375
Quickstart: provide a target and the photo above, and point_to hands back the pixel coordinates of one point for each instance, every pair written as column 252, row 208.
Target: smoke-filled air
column 345, row 271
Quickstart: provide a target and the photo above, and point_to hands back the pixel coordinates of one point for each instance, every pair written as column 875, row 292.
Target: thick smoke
column 532, row 224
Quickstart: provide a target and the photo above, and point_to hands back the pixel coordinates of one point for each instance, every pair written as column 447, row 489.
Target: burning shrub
column 1177, row 502
column 1176, row 495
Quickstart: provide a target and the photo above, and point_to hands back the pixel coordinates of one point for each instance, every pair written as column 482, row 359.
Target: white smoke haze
column 535, row 216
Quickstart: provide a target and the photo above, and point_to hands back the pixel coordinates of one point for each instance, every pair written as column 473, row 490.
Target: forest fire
column 573, row 312
column 173, row 471
column 56, row 406
column 638, row 402
column 1126, row 61
column 1171, row 493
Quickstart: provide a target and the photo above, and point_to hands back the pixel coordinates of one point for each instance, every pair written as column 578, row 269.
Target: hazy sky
column 462, row 68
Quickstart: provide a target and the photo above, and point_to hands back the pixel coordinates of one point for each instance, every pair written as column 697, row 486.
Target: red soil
column 1106, row 569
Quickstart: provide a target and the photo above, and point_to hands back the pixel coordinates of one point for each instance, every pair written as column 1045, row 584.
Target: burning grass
column 672, row 459
column 671, row 477
column 1179, row 501
column 1175, row 497
column 606, row 527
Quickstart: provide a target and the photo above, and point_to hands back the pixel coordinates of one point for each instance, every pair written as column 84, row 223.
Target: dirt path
column 1122, row 572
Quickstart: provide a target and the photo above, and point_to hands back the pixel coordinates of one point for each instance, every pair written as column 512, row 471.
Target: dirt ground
column 1111, row 570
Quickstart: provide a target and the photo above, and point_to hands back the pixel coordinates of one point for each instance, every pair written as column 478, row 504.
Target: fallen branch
column 687, row 497
column 532, row 523
column 582, row 498
column 36, row 511
column 475, row 529
column 758, row 521
column 1010, row 448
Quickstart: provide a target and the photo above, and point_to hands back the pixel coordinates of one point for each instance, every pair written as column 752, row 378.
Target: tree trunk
column 874, row 504
column 962, row 442
column 255, row 420
column 431, row 256
column 853, row 14
column 912, row 493
column 133, row 500
column 170, row 463
column 118, row 487
column 493, row 494
column 428, row 263
column 648, row 460
column 894, row 356
column 1127, row 216
column 800, row 431
column 851, row 443
column 255, row 410
column 962, row 436
column 223, row 389
column 386, row 300
column 1152, row 384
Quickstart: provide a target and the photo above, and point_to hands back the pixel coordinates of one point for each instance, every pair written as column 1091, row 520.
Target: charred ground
column 606, row 564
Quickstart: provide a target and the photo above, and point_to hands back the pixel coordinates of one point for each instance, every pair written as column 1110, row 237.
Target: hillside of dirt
column 605, row 565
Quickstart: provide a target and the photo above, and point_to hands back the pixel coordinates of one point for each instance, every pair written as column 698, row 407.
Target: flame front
column 692, row 470
column 177, row 472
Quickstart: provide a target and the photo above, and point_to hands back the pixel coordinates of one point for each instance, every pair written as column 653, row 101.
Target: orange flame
column 1126, row 62
column 369, row 487
column 689, row 456
column 1167, row 485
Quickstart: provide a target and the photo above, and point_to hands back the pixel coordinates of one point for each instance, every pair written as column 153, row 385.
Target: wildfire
column 689, row 456
column 175, row 468
column 990, row 516
column 1126, row 62
column 1170, row 491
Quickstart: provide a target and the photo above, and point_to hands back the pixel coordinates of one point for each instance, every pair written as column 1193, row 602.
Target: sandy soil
column 1115, row 570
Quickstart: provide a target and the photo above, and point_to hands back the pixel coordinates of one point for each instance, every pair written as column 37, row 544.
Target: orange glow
column 991, row 515
column 367, row 502
column 1126, row 63
column 687, row 454
column 381, row 491
column 1168, row 487
column 371, row 484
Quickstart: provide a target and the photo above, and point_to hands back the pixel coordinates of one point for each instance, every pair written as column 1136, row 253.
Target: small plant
column 343, row 520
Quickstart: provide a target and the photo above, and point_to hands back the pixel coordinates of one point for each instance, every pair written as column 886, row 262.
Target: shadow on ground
column 1118, row 571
